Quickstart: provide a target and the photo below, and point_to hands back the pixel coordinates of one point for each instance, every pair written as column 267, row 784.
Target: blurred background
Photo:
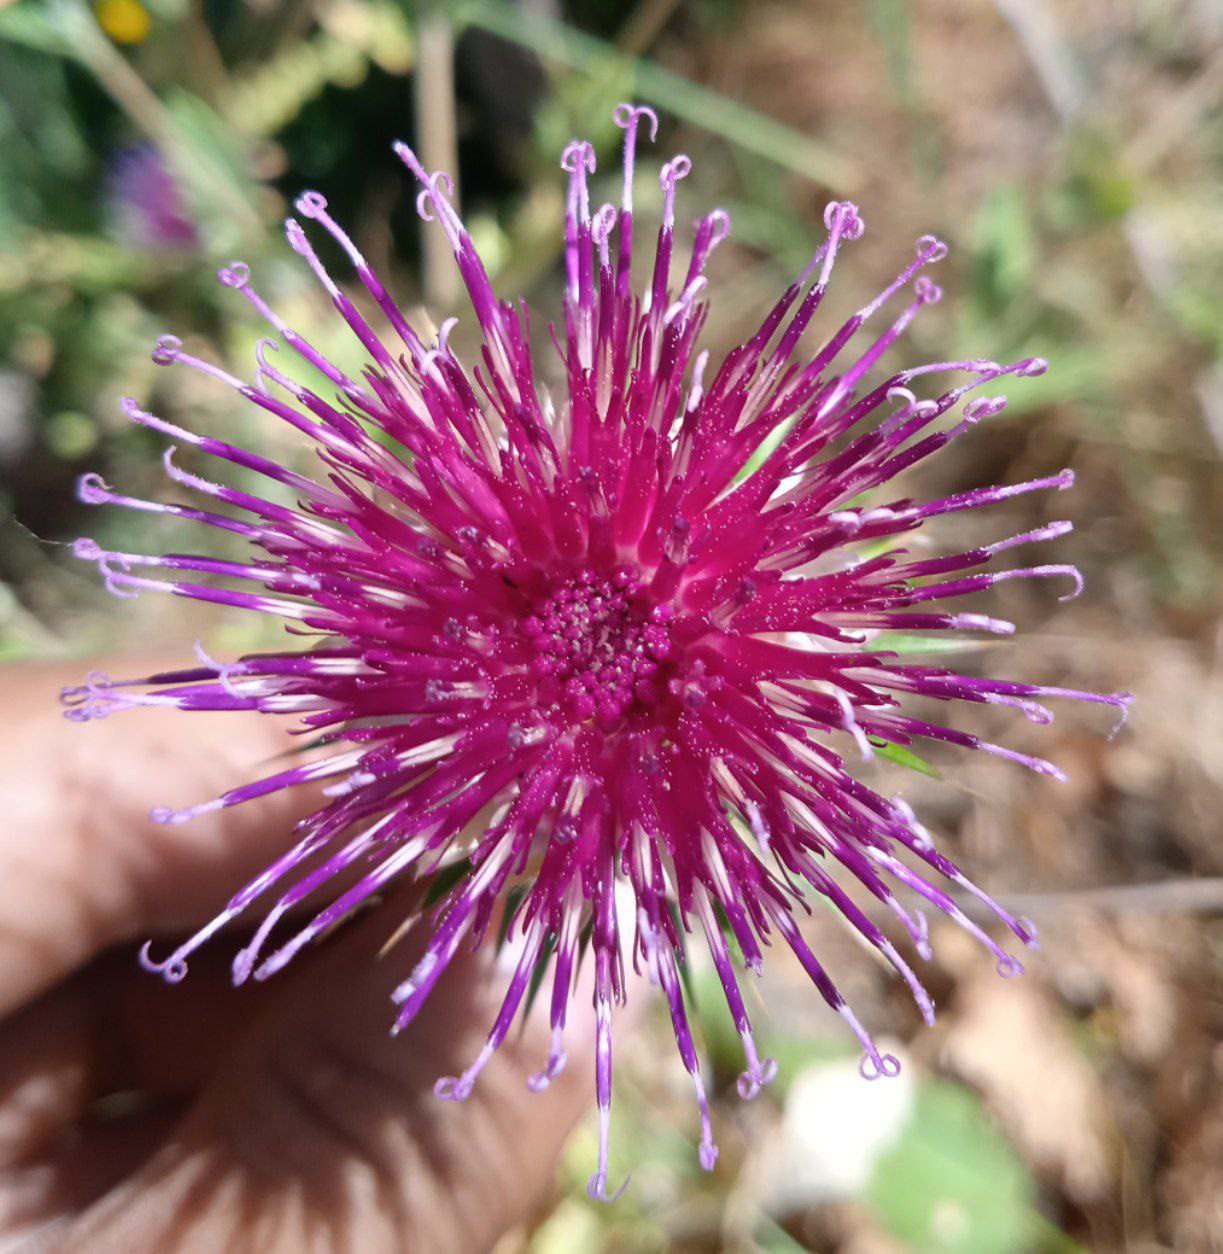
column 1071, row 152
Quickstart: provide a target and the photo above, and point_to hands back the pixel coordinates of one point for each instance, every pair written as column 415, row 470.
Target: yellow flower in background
column 125, row 21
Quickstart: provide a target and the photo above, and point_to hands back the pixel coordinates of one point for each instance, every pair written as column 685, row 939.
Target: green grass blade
column 738, row 124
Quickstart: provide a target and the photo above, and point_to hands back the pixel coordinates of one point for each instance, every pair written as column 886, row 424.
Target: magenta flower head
column 148, row 204
column 590, row 658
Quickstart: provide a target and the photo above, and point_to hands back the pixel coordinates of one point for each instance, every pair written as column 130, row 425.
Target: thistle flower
column 147, row 202
column 615, row 637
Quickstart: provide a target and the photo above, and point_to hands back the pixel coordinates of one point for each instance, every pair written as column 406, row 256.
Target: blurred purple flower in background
column 615, row 635
column 147, row 202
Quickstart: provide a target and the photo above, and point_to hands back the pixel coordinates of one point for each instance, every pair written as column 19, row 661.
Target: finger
column 322, row 1131
column 96, row 1071
column 111, row 1029
column 82, row 864
column 41, row 1195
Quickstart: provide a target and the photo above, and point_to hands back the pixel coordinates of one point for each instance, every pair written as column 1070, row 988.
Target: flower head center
column 599, row 644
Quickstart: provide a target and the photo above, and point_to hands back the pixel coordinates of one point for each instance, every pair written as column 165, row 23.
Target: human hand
column 139, row 1116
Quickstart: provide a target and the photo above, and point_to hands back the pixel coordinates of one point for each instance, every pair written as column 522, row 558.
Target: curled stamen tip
column 452, row 1088
column 1072, row 572
column 424, row 205
column 541, row 1079
column 1123, row 701
column 927, row 291
column 1041, row 715
column 131, row 407
column 167, row 817
column 679, row 167
column 879, row 1066
column 984, row 407
column 296, row 236
column 628, row 115
column 114, row 578
column 1008, row 968
column 596, row 1187
column 443, row 334
column 428, row 364
column 578, row 151
column 751, row 1081
column 198, row 650
column 931, row 248
column 708, row 1154
column 236, row 274
column 1032, row 368
column 719, row 221
column 86, row 548
column 265, row 345
column 92, row 489
column 603, row 223
column 310, row 204
column 166, row 350
column 844, row 212
column 173, row 970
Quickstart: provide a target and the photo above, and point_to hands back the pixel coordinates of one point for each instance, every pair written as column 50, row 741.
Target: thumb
column 321, row 1131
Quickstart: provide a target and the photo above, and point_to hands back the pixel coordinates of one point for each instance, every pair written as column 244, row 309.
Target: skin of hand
column 138, row 1116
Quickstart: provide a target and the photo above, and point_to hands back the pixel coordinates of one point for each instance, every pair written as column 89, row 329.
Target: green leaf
column 513, row 899
column 272, row 92
column 685, row 971
column 890, row 19
column 951, row 1184
column 1005, row 255
column 904, row 643
column 768, row 446
column 543, row 965
column 31, row 26
column 445, row 880
column 214, row 167
column 1098, row 188
column 903, row 757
